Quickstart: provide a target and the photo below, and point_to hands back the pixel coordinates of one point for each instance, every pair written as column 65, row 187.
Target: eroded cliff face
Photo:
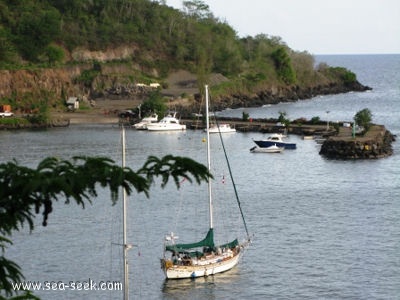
column 61, row 81
column 20, row 82
column 112, row 54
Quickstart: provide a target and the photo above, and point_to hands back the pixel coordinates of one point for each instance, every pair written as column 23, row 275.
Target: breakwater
column 339, row 144
column 268, row 126
column 375, row 143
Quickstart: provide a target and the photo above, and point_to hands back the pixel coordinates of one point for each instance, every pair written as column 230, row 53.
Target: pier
column 268, row 126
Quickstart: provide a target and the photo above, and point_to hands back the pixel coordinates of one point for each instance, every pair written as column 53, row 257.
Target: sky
column 316, row 26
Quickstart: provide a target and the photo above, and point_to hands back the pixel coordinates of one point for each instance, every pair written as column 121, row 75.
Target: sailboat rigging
column 203, row 258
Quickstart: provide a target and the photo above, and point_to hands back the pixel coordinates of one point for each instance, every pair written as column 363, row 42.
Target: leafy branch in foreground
column 25, row 192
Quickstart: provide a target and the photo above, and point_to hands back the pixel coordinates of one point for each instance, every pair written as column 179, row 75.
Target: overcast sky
column 316, row 26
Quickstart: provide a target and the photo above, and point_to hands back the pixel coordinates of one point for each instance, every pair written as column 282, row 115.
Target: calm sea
column 323, row 229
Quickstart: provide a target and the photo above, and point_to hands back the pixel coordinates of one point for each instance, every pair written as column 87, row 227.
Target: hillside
column 51, row 50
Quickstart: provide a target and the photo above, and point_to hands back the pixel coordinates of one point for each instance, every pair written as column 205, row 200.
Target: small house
column 73, row 103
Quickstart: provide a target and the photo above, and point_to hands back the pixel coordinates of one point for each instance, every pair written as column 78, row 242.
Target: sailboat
column 202, row 258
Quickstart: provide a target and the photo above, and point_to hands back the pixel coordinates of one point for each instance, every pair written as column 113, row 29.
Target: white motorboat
column 221, row 128
column 270, row 149
column 145, row 121
column 168, row 123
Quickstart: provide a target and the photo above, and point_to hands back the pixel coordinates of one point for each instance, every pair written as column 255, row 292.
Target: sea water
column 322, row 229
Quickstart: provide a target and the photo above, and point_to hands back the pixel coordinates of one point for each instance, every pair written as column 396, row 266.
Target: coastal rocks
column 278, row 94
column 376, row 143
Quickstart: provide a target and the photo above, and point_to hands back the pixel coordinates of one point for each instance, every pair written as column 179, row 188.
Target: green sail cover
column 230, row 245
column 208, row 241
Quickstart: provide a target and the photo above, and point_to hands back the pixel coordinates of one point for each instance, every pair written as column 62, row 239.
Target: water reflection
column 200, row 288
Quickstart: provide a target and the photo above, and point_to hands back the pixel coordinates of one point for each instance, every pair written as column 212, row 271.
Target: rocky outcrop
column 275, row 95
column 376, row 143
column 121, row 52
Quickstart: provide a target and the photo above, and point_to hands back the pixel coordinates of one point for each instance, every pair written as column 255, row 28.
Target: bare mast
column 209, row 159
column 124, row 227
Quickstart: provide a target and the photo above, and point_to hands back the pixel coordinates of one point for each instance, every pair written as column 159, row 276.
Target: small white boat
column 145, row 121
column 308, row 137
column 270, row 149
column 221, row 128
column 319, row 139
column 168, row 123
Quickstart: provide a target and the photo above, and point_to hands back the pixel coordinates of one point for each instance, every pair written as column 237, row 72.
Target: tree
column 154, row 103
column 283, row 65
column 54, row 54
column 245, row 116
column 363, row 118
column 36, row 30
column 197, row 9
column 7, row 53
column 282, row 119
column 26, row 192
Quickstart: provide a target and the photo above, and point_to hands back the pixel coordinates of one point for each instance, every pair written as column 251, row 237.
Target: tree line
column 45, row 31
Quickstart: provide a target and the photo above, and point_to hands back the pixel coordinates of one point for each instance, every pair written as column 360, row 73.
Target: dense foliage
column 46, row 31
column 156, row 39
column 25, row 192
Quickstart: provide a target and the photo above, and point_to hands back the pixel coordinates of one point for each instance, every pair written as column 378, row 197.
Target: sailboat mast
column 209, row 159
column 124, row 206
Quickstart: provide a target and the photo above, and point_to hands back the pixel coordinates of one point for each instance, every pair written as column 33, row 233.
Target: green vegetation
column 344, row 74
column 283, row 65
column 283, row 120
column 26, row 192
column 35, row 108
column 154, row 103
column 363, row 118
column 156, row 40
column 44, row 32
column 245, row 116
column 315, row 120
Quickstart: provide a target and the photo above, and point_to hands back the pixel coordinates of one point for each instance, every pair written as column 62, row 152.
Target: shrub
column 315, row 120
column 245, row 116
column 363, row 118
column 283, row 65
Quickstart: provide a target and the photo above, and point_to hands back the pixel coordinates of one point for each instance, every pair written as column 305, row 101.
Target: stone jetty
column 375, row 143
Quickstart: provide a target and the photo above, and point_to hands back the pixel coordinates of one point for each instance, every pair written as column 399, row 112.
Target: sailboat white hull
column 204, row 267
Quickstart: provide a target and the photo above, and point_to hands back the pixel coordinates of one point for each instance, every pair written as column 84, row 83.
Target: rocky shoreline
column 281, row 94
column 273, row 95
